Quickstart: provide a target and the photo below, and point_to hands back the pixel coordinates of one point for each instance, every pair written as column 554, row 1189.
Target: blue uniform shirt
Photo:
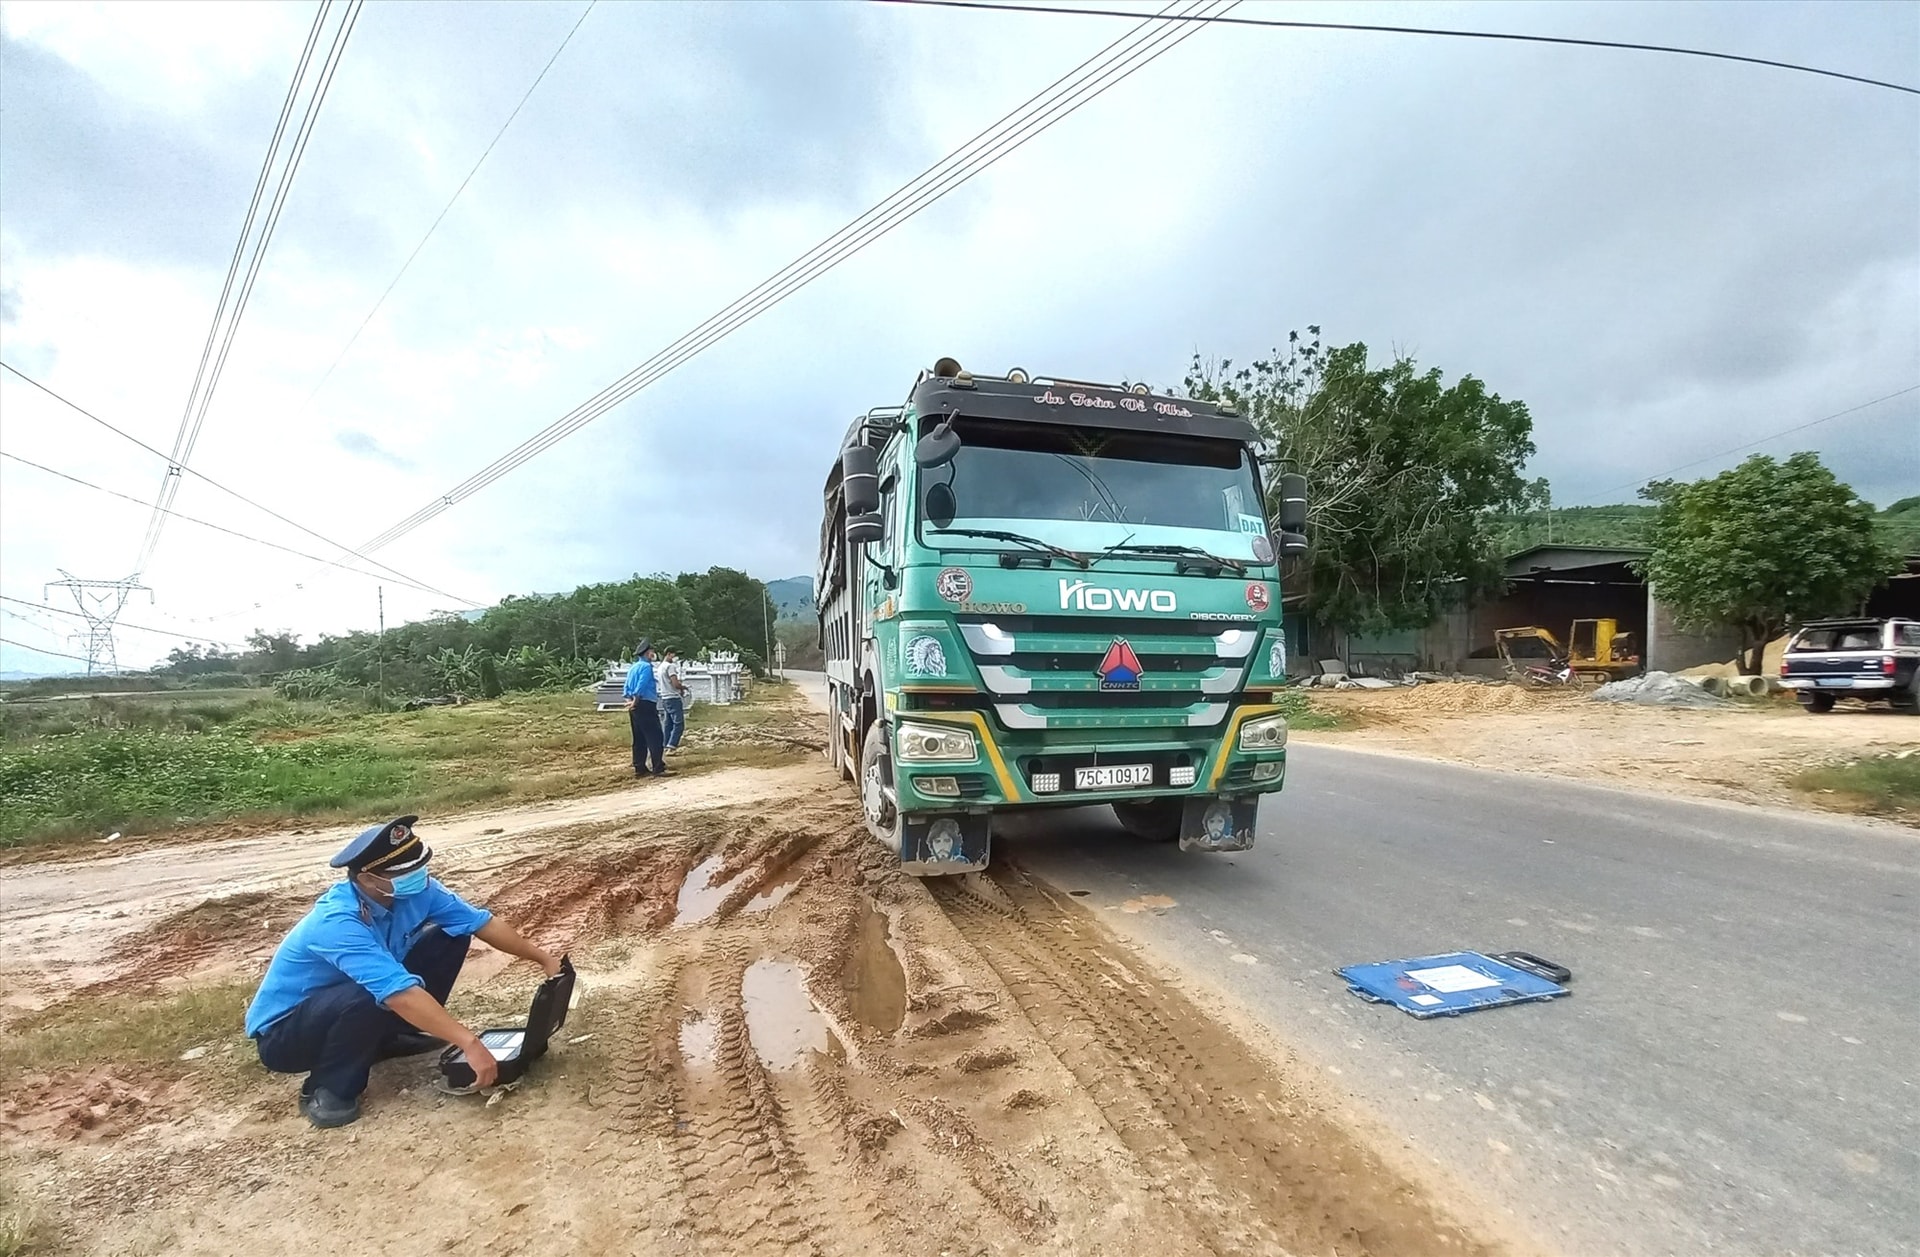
column 641, row 683
column 347, row 937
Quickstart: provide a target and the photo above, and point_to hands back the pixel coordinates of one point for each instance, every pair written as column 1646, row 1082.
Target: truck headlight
column 1269, row 733
column 919, row 744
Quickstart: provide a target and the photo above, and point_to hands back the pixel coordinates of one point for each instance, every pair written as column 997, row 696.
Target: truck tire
column 837, row 746
column 876, row 773
column 1819, row 704
column 1155, row 820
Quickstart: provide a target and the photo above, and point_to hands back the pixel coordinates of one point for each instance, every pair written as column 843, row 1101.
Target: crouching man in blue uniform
column 365, row 975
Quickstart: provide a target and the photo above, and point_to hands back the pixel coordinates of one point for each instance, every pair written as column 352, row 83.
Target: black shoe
column 327, row 1110
column 664, row 772
column 410, row 1043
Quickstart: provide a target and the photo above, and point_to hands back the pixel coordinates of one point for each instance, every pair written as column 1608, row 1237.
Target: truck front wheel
column 876, row 788
column 1155, row 820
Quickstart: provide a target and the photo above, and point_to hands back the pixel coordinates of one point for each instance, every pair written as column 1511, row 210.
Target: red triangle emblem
column 1120, row 668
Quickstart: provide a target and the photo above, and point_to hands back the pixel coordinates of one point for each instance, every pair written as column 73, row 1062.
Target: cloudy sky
column 1665, row 257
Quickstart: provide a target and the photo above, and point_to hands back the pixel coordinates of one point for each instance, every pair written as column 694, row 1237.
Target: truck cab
column 1044, row 593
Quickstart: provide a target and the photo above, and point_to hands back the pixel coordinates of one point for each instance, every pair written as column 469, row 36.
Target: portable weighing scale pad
column 516, row 1047
column 1457, row 982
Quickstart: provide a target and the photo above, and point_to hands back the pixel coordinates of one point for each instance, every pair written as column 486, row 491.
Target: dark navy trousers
column 649, row 740
column 335, row 1035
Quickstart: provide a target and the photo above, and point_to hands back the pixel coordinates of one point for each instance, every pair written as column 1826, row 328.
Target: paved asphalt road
column 1737, row 1071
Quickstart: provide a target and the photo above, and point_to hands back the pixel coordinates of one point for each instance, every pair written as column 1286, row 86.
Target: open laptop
column 516, row 1047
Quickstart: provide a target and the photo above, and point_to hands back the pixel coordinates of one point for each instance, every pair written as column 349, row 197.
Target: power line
column 1801, row 427
column 41, row 650
column 192, row 422
column 1370, row 28
column 398, row 575
column 259, row 541
column 171, row 476
column 528, row 95
column 1117, row 61
column 138, row 628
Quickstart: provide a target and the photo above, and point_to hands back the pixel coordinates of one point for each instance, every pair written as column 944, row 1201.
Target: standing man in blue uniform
column 643, row 715
column 365, row 975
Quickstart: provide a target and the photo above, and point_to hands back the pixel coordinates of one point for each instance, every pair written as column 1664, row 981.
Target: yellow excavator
column 1596, row 650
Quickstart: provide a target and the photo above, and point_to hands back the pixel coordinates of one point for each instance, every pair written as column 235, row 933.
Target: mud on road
column 780, row 1045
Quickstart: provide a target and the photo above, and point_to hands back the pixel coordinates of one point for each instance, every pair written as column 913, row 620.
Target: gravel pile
column 1657, row 689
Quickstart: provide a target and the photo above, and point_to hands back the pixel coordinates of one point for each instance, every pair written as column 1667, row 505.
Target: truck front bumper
column 1024, row 769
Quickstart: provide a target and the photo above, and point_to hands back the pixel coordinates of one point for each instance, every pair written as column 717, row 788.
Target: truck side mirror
column 862, row 529
column 1293, row 504
column 860, row 481
column 938, row 447
column 1293, row 544
column 940, row 505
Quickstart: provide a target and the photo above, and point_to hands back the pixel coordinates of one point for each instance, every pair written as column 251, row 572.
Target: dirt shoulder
column 781, row 1045
column 1742, row 753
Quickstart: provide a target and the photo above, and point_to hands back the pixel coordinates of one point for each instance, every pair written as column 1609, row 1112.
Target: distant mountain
column 792, row 597
column 35, row 674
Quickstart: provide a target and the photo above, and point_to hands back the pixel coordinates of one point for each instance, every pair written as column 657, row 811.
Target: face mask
column 410, row 883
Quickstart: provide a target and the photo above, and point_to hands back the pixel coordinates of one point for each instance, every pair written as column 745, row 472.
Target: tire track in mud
column 1083, row 1039
column 746, row 1184
column 1210, row 1115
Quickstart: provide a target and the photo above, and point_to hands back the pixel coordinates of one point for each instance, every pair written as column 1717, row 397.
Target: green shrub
column 1299, row 710
column 94, row 781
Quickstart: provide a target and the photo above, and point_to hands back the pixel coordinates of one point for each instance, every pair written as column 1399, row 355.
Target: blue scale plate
column 1448, row 985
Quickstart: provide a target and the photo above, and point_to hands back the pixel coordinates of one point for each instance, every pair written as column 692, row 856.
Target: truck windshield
column 1097, row 487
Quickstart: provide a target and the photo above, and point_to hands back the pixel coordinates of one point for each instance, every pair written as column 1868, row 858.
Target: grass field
column 1884, row 785
column 155, row 766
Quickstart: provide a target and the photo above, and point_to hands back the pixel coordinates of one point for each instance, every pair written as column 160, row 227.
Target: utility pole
column 766, row 620
column 380, row 594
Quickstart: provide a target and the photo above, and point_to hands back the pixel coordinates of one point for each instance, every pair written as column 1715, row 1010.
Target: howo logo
column 1077, row 595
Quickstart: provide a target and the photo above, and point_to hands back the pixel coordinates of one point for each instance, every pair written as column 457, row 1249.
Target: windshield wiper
column 995, row 534
column 1190, row 552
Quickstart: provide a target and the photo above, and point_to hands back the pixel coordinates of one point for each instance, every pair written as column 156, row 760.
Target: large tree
column 1763, row 546
column 662, row 613
column 729, row 604
column 1407, row 475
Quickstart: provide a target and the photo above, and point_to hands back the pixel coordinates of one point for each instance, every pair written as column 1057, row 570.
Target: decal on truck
column 1078, row 595
column 953, row 584
column 926, row 657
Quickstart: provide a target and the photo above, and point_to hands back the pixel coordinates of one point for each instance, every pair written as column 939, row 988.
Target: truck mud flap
column 939, row 846
column 1218, row 823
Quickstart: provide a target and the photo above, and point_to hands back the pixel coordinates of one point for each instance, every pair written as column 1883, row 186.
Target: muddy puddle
column 699, row 1041
column 777, row 887
column 699, row 897
column 782, row 1023
column 874, row 980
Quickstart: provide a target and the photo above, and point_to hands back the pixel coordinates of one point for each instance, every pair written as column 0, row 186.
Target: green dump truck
column 1043, row 593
